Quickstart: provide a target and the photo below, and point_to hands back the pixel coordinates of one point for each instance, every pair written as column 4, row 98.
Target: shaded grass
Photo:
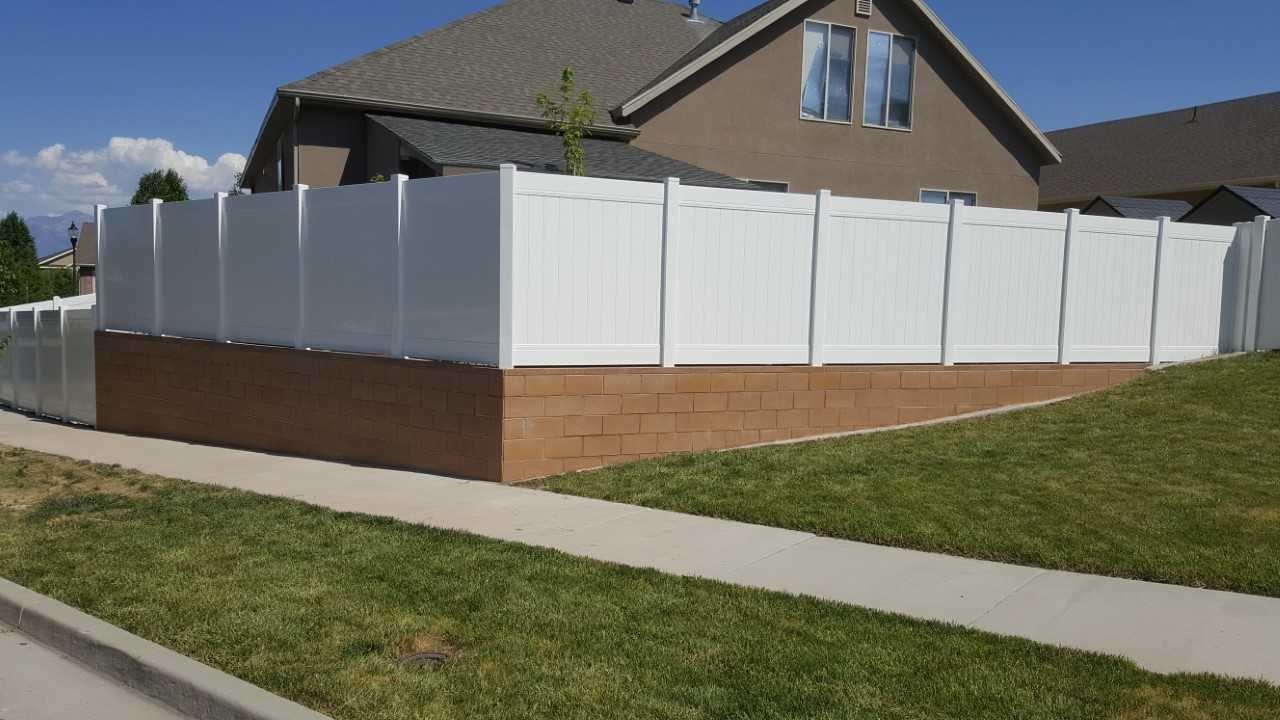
column 318, row 606
column 1173, row 478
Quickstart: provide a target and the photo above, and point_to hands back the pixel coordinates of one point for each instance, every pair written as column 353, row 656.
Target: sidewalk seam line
column 1041, row 572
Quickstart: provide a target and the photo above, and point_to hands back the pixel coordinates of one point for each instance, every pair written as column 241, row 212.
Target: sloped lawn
column 320, row 606
column 1173, row 478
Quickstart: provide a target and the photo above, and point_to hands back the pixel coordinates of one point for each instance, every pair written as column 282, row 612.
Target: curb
column 183, row 684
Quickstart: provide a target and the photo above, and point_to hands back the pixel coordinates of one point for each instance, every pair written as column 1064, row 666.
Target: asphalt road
column 37, row 683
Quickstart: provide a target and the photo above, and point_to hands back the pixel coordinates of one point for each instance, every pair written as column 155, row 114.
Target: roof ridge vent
column 695, row 13
column 863, row 8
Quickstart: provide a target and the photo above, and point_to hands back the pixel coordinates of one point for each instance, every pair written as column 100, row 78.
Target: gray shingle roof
column 1146, row 208
column 495, row 61
column 1184, row 149
column 1267, row 200
column 718, row 35
column 450, row 143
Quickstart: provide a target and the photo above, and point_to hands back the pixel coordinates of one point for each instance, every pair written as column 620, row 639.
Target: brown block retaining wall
column 526, row 423
column 432, row 416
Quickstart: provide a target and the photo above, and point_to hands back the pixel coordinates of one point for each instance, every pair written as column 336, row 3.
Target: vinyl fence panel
column 886, row 266
column 52, row 399
column 6, row 357
column 1198, row 292
column 1269, row 297
column 24, row 357
column 587, row 258
column 1007, row 274
column 351, row 266
column 1112, row 283
column 80, row 384
column 128, row 268
column 261, row 268
column 450, row 268
column 743, row 277
column 189, row 269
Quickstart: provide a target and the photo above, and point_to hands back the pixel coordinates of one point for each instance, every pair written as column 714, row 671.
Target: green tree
column 571, row 115
column 21, row 278
column 166, row 185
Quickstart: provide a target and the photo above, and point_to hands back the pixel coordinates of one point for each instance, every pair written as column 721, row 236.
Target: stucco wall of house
column 741, row 116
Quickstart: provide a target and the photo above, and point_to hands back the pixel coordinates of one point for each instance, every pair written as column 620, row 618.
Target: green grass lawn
column 318, row 606
column 1172, row 478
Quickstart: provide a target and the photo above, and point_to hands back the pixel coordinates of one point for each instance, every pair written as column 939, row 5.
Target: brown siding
column 331, row 147
column 562, row 420
column 430, row 416
column 741, row 117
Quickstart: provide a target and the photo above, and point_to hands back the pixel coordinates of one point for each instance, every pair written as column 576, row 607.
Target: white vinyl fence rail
column 46, row 366
column 528, row 269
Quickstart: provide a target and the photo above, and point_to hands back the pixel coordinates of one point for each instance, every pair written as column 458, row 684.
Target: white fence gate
column 528, row 269
column 47, row 365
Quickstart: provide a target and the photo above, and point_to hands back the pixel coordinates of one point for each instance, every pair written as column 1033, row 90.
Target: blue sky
column 97, row 91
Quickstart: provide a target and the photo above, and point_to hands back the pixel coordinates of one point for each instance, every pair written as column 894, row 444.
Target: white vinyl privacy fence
column 46, row 366
column 525, row 269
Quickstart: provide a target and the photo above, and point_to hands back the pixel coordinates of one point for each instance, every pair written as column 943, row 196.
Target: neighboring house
column 1180, row 155
column 1232, row 204
column 1136, row 208
column 85, row 258
column 871, row 99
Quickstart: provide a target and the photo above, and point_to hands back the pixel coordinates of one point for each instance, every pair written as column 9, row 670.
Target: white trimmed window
column 827, row 93
column 946, row 197
column 891, row 74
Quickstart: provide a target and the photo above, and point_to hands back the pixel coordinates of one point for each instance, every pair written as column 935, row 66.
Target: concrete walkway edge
column 183, row 684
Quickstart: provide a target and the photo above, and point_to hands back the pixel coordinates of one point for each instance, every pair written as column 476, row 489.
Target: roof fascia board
column 446, row 113
column 644, row 98
column 257, row 142
column 1046, row 145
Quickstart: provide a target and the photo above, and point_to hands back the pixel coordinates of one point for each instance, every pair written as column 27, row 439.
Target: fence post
column 1064, row 317
column 1162, row 238
column 100, row 275
column 65, row 409
column 954, row 227
column 12, row 350
column 1241, row 250
column 300, row 337
column 670, row 236
column 1257, row 254
column 157, row 248
column 506, row 267
column 818, row 275
column 220, row 201
column 397, row 329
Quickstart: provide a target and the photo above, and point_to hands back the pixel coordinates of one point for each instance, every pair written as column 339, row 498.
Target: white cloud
column 57, row 179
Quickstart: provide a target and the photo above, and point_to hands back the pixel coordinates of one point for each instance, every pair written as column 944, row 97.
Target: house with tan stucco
column 867, row 98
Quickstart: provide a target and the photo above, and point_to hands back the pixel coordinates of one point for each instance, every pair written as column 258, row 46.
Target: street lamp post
column 73, row 234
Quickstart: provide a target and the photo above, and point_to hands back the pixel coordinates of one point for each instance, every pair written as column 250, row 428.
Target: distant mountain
column 50, row 231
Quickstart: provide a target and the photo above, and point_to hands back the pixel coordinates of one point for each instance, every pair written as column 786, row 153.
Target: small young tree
column 16, row 237
column 570, row 116
column 166, row 185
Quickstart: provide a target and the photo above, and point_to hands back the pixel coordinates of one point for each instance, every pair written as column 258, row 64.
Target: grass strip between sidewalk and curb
column 323, row 608
column 1174, row 478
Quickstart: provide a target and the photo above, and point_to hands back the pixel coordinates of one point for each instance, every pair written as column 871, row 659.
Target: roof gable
column 495, row 61
column 742, row 28
column 1143, row 208
column 1196, row 148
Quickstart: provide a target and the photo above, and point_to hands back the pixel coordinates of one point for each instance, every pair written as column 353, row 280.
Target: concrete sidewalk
column 1161, row 627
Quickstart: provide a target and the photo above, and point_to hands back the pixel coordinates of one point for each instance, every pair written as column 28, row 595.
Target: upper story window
column 891, row 70
column 946, row 197
column 828, row 72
